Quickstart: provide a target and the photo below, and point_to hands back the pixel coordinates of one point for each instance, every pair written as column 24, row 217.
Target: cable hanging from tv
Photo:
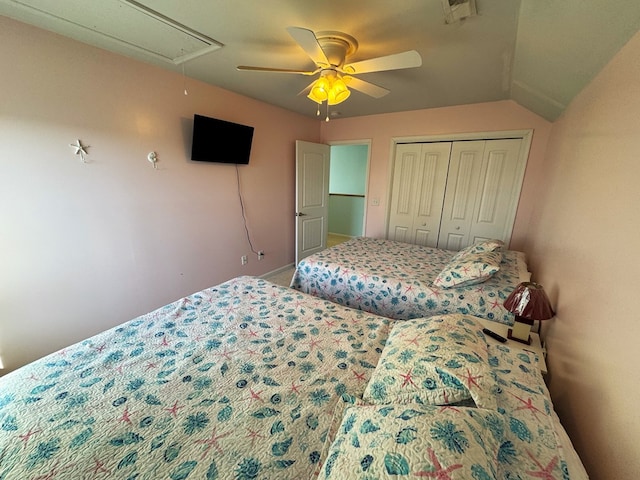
column 244, row 217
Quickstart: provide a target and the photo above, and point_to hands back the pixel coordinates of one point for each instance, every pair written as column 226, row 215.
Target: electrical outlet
column 243, row 259
column 260, row 254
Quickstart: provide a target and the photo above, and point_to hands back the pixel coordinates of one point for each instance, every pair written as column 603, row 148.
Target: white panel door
column 402, row 209
column 419, row 180
column 459, row 203
column 498, row 191
column 312, row 197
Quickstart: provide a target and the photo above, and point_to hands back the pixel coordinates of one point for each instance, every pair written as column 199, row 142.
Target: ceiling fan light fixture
column 320, row 90
column 310, row 96
column 330, row 51
column 330, row 87
column 338, row 92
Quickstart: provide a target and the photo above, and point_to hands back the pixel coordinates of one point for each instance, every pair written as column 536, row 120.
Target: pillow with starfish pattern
column 439, row 360
column 397, row 441
column 455, row 443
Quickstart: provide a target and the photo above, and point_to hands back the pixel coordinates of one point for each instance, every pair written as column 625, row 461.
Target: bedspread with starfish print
column 239, row 381
column 395, row 280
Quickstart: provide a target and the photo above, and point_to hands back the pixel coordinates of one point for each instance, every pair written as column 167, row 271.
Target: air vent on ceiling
column 126, row 23
column 456, row 10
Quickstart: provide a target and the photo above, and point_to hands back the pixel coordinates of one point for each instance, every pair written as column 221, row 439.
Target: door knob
column 300, row 214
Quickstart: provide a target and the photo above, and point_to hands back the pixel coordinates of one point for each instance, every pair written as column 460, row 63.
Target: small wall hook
column 153, row 158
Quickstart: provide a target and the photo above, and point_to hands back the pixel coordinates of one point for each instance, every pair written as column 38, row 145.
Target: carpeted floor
column 284, row 277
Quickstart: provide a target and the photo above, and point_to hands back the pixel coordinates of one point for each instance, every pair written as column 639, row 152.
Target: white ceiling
column 540, row 53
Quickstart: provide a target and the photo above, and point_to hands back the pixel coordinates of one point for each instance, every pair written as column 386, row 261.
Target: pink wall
column 584, row 248
column 484, row 117
column 88, row 246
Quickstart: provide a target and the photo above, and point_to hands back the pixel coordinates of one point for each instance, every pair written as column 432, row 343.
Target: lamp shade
column 529, row 301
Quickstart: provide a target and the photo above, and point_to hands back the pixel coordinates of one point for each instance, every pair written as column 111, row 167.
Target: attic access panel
column 126, row 23
column 456, row 10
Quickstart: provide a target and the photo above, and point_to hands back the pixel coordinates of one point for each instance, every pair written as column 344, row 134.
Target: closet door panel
column 452, row 241
column 403, row 204
column 426, row 238
column 400, row 234
column 419, row 181
column 461, row 191
column 430, row 192
column 498, row 191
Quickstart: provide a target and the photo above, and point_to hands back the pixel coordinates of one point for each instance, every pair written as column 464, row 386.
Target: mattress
column 395, row 280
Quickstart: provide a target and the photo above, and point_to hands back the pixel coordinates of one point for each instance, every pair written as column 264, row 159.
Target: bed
column 250, row 380
column 402, row 281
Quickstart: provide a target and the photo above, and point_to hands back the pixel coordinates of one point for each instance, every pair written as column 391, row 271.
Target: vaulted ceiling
column 540, row 53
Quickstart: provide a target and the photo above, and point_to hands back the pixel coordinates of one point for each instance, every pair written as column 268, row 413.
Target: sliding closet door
column 419, row 180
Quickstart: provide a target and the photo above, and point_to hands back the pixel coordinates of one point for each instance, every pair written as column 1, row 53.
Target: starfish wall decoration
column 80, row 149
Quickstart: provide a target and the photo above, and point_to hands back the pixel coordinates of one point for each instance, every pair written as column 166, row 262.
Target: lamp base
column 526, row 342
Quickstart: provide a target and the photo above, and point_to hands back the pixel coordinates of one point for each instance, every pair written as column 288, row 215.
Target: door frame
column 525, row 135
column 366, row 142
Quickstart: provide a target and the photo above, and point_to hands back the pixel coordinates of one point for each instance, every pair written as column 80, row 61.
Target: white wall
column 87, row 246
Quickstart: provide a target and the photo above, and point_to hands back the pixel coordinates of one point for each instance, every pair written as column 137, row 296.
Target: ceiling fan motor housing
column 337, row 46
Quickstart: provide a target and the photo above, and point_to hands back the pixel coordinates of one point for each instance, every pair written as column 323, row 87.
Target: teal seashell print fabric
column 518, row 439
column 454, row 443
column 438, row 360
column 395, row 280
column 239, row 381
column 249, row 380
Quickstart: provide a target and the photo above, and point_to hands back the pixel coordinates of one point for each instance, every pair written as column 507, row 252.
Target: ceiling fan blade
column 366, row 87
column 276, row 70
column 397, row 61
column 307, row 89
column 309, row 43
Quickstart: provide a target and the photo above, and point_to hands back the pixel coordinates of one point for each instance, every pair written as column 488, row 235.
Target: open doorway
column 347, row 192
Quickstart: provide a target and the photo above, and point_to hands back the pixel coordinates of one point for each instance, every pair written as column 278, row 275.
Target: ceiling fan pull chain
column 327, row 119
column 318, row 112
column 184, row 80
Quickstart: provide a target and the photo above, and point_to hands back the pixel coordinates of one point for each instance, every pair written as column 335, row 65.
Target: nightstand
column 536, row 345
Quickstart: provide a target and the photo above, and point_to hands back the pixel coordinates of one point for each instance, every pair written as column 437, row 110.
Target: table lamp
column 527, row 302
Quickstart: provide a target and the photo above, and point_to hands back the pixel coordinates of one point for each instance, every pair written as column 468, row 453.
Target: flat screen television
column 220, row 141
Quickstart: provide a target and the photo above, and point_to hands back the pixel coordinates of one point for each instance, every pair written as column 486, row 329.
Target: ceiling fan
column 330, row 50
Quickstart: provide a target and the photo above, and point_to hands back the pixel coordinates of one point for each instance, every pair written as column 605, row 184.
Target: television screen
column 220, row 141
